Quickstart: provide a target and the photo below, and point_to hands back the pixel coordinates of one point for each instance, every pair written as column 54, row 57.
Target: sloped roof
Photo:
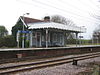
column 31, row 20
column 43, row 25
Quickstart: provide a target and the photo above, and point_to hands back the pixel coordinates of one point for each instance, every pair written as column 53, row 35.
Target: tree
column 16, row 27
column 96, row 35
column 3, row 31
column 61, row 19
column 7, row 41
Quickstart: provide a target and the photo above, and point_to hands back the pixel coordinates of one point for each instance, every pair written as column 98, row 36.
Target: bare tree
column 96, row 35
column 62, row 20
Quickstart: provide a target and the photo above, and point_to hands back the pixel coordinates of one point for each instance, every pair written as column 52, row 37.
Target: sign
column 24, row 31
column 80, row 36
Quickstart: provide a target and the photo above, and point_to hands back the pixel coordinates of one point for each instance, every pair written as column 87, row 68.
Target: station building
column 44, row 33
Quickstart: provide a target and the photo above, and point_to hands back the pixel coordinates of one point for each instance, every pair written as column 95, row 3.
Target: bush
column 71, row 41
column 27, row 43
column 8, row 41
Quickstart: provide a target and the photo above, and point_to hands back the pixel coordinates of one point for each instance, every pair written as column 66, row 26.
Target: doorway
column 38, row 39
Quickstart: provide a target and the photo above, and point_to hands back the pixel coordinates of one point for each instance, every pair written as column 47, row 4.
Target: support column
column 17, row 38
column 64, row 36
column 30, row 39
column 76, row 39
column 46, row 38
column 40, row 39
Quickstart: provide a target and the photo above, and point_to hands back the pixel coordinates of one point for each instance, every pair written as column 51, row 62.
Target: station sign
column 20, row 31
column 80, row 36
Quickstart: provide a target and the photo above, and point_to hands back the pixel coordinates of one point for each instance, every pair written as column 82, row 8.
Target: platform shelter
column 44, row 33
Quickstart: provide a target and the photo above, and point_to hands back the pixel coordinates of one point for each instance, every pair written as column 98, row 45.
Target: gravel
column 65, row 69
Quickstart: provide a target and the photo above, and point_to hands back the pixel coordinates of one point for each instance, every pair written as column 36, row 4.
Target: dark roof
column 31, row 20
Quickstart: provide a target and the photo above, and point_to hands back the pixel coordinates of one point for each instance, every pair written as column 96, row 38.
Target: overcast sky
column 82, row 12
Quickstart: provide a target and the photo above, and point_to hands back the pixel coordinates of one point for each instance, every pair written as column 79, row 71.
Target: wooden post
column 64, row 38
column 30, row 39
column 76, row 39
column 17, row 38
column 46, row 38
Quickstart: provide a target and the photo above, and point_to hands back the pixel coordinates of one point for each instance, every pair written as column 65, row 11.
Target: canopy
column 53, row 25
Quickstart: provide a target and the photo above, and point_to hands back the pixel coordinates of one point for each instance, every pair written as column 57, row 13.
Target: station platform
column 49, row 48
column 36, row 53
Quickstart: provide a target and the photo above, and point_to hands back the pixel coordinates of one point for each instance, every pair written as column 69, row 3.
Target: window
column 55, row 37
column 61, row 38
column 34, row 35
column 43, row 38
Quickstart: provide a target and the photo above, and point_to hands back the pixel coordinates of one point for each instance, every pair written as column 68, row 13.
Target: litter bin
column 74, row 62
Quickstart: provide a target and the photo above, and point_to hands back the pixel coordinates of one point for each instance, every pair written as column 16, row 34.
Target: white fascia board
column 56, row 26
column 23, row 22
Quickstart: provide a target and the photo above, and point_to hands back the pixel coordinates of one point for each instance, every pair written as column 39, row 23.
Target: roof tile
column 31, row 20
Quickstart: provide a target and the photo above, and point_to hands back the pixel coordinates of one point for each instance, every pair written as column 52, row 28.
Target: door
column 38, row 39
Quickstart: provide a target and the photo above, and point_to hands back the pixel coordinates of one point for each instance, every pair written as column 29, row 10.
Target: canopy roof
column 53, row 25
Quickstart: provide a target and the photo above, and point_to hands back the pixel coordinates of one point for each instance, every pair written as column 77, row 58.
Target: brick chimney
column 47, row 18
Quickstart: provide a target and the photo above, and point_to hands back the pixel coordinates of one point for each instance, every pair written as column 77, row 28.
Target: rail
column 46, row 63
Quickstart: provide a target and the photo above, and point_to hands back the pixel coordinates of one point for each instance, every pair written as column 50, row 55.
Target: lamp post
column 23, row 30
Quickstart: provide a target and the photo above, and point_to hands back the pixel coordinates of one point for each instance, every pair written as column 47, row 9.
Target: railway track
column 45, row 63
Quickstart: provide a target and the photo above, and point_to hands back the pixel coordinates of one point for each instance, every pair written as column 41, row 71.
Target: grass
column 92, row 68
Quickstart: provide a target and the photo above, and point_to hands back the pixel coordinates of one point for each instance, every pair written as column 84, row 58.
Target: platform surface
column 49, row 48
